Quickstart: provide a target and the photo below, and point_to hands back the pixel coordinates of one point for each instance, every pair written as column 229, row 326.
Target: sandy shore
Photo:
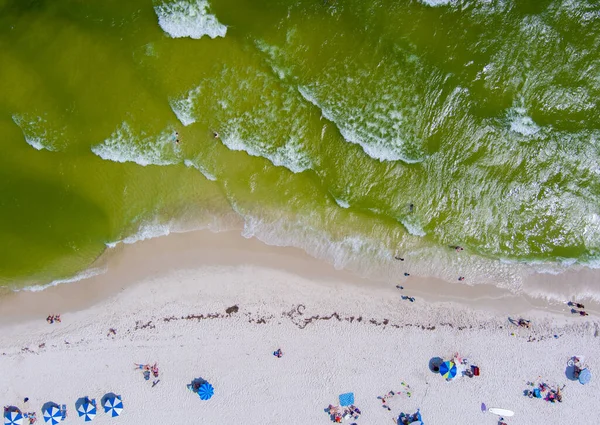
column 168, row 298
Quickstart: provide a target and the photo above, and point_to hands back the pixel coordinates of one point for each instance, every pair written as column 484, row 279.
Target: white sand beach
column 168, row 299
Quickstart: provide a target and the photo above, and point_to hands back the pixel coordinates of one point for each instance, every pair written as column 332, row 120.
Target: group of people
column 407, row 419
column 337, row 413
column 30, row 416
column 53, row 318
column 578, row 305
column 406, row 390
column 545, row 392
column 147, row 370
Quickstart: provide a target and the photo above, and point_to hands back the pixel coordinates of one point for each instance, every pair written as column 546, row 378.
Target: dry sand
column 167, row 300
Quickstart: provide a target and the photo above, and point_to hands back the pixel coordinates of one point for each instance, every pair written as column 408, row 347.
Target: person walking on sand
column 406, row 274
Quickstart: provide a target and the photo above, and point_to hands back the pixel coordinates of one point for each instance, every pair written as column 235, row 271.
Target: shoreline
column 130, row 264
column 199, row 315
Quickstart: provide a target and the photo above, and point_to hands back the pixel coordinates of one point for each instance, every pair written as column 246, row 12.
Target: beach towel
column 346, row 399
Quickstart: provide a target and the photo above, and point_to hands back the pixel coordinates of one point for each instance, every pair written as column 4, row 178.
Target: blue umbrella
column 13, row 417
column 113, row 405
column 205, row 391
column 53, row 415
column 448, row 370
column 585, row 376
column 87, row 410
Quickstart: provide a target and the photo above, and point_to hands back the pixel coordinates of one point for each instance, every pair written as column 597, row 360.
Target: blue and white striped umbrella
column 13, row 417
column 53, row 415
column 87, row 410
column 113, row 406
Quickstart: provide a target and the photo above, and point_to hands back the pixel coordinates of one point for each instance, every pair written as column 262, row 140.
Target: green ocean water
column 333, row 118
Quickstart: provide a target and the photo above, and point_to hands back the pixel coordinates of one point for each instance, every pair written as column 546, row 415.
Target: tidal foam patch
column 183, row 106
column 189, row 19
column 36, row 132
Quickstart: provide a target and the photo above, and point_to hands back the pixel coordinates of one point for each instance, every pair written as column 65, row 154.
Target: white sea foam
column 126, row 146
column 413, row 226
column 342, row 203
column 183, row 106
column 382, row 144
column 435, row 3
column 201, row 168
column 520, row 122
column 36, row 132
column 189, row 19
column 146, row 231
column 290, row 155
column 86, row 274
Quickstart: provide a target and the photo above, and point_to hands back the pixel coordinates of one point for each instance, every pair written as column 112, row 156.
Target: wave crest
column 189, row 19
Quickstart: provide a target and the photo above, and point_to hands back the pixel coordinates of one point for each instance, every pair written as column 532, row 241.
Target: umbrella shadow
column 83, row 400
column 11, row 409
column 196, row 383
column 48, row 405
column 106, row 397
column 570, row 373
column 434, row 364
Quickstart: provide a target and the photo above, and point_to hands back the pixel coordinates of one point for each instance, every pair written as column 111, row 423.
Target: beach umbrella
column 53, row 415
column 13, row 417
column 585, row 376
column 113, row 405
column 205, row 391
column 87, row 410
column 448, row 369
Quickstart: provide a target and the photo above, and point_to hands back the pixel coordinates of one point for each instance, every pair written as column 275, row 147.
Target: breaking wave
column 126, row 146
column 189, row 19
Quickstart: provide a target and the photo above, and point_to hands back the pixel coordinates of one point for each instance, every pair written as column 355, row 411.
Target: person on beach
column 461, row 278
column 524, row 323
column 155, row 370
column 411, row 207
column 406, row 274
column 50, row 319
column 458, row 248
column 278, row 353
column 399, row 287
column 57, row 318
column 399, row 258
column 215, row 134
column 583, row 313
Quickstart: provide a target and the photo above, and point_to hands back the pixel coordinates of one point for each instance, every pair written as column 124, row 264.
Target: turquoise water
column 333, row 118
